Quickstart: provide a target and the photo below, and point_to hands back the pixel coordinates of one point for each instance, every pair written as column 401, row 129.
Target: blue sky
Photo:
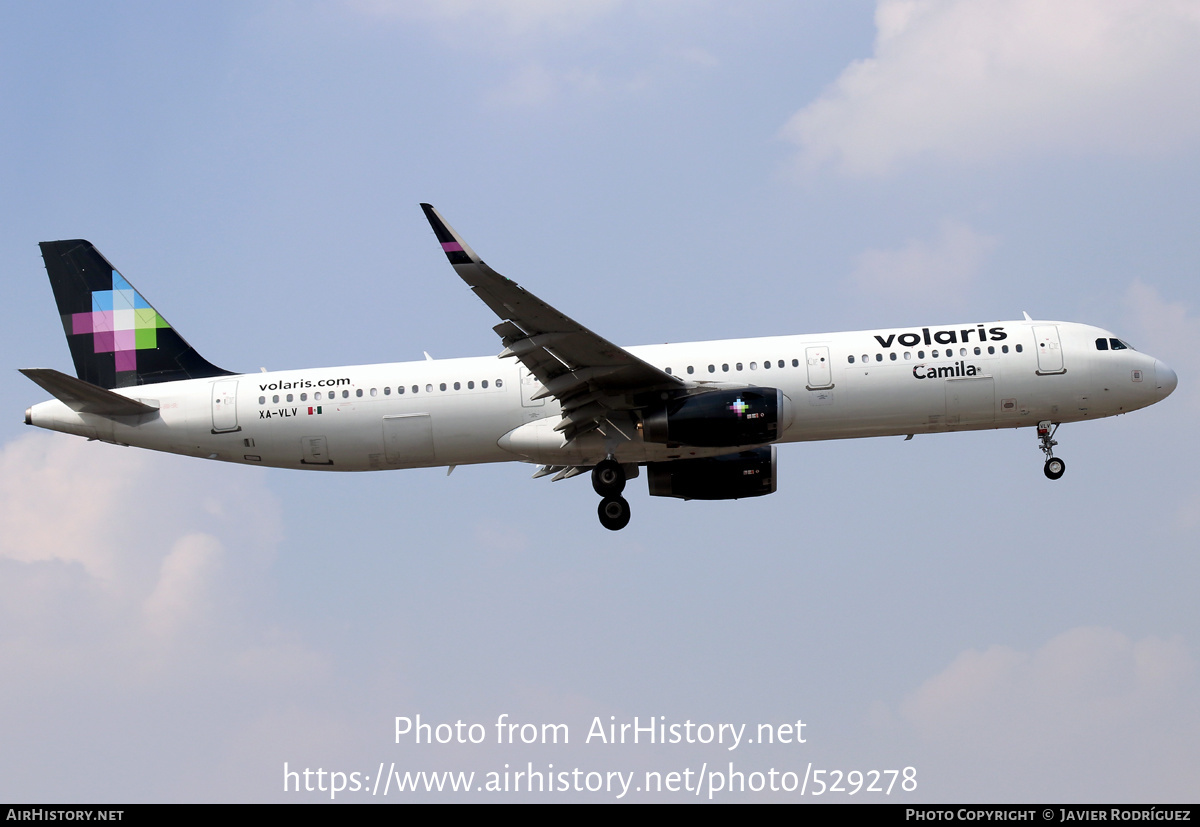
column 662, row 171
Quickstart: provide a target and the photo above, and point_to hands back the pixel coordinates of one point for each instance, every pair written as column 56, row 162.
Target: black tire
column 614, row 513
column 608, row 478
column 1055, row 468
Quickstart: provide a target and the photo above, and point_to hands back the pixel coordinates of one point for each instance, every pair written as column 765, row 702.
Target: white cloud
column 1165, row 329
column 500, row 19
column 977, row 80
column 131, row 588
column 535, row 85
column 695, row 56
column 549, row 51
column 182, row 593
column 116, row 512
column 115, row 562
column 47, row 515
column 1170, row 332
column 945, row 266
column 1090, row 711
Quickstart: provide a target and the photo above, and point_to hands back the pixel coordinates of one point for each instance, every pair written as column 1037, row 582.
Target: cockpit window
column 1117, row 344
column 1102, row 344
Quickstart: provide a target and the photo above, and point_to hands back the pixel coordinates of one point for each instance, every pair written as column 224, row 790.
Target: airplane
column 703, row 418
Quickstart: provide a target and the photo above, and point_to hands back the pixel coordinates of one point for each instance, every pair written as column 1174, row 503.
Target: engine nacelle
column 717, row 419
column 728, row 477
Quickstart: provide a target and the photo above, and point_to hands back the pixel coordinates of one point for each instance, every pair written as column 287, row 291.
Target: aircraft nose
column 1166, row 378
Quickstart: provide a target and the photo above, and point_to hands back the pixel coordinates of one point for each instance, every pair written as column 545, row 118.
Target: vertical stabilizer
column 116, row 338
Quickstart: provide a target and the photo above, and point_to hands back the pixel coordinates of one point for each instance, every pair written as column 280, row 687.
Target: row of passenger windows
column 400, row 390
column 766, row 365
column 947, row 354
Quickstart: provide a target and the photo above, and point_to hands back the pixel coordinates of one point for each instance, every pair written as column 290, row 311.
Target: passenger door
column 224, row 406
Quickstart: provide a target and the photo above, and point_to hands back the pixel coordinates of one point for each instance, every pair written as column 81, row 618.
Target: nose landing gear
column 1054, row 467
column 608, row 478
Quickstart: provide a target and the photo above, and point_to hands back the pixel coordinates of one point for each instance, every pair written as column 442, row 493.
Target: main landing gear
column 1054, row 467
column 608, row 478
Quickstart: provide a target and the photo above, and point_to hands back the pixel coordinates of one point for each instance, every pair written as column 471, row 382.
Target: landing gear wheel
column 614, row 513
column 1055, row 468
column 608, row 478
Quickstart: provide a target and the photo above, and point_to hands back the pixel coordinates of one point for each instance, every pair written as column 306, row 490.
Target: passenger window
column 851, row 358
column 892, row 356
column 712, row 368
column 908, row 354
column 795, row 363
column 499, row 383
column 754, row 366
column 1019, row 348
column 767, row 365
column 691, row 369
column 458, row 386
column 374, row 392
column 483, row 384
column 1004, row 348
column 275, row 399
column 304, row 397
column 780, row 363
column 471, row 386
column 991, row 350
column 262, row 400
column 978, row 351
column 739, row 366
column 878, row 357
column 290, row 397
column 429, row 388
column 668, row 370
column 387, row 391
column 962, row 351
column 400, row 390
column 442, row 386
column 317, row 396
column 725, row 368
column 416, row 388
column 358, row 393
column 866, row 358
column 920, row 354
column 346, row 394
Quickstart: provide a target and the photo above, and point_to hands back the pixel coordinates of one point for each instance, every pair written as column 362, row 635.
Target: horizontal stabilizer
column 84, row 397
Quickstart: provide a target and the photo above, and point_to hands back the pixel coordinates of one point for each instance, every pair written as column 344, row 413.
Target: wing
column 596, row 383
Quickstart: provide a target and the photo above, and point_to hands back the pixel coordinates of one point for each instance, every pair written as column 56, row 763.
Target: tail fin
column 117, row 339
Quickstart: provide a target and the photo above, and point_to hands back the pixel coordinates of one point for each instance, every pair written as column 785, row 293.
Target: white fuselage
column 462, row 411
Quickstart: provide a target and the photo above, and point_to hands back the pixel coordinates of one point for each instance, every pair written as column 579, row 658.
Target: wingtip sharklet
column 457, row 250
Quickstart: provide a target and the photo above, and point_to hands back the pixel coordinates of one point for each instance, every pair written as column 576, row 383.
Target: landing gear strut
column 608, row 478
column 1054, row 467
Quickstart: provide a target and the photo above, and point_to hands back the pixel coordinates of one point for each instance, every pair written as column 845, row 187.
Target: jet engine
column 717, row 419
column 727, row 477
